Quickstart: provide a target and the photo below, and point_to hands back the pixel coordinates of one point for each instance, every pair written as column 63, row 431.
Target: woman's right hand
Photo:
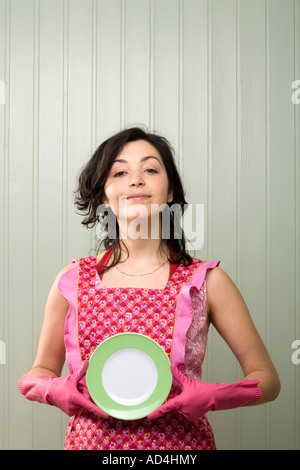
column 66, row 393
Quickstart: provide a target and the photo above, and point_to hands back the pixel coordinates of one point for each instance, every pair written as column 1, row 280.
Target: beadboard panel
column 215, row 77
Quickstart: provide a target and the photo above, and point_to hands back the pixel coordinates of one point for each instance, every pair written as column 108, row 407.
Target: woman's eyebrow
column 123, row 160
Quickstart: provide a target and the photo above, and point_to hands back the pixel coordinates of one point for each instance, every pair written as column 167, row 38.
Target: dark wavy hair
column 89, row 194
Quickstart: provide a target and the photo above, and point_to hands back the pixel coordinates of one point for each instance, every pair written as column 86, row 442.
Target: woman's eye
column 148, row 170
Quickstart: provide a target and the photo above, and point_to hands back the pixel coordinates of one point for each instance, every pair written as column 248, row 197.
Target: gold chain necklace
column 146, row 274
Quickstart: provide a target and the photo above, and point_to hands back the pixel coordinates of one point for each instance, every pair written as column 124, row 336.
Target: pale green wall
column 214, row 76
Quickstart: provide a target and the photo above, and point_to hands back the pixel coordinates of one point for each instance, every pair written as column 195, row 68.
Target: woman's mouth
column 138, row 197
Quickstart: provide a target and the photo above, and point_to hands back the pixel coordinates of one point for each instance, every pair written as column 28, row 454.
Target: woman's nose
column 136, row 180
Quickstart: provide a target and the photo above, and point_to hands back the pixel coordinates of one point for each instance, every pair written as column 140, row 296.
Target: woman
column 150, row 285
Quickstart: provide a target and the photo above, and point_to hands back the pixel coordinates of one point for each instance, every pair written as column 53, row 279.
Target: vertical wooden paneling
column 108, row 89
column 253, row 189
column 3, row 229
column 167, row 61
column 194, row 103
column 224, row 125
column 78, row 66
column 282, row 213
column 297, row 232
column 20, row 217
column 136, row 73
column 50, row 177
column 215, row 78
column 223, row 181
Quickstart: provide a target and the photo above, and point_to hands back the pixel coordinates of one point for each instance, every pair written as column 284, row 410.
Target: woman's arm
column 50, row 354
column 230, row 316
column 43, row 383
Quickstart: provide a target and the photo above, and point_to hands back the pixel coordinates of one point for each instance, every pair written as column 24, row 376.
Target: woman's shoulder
column 75, row 262
column 220, row 286
column 68, row 267
column 66, row 281
column 209, row 265
column 217, row 275
column 64, row 271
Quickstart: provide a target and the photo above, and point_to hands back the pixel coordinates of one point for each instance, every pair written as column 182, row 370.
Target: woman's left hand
column 197, row 398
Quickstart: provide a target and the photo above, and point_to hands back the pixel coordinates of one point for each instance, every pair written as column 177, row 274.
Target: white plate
column 129, row 376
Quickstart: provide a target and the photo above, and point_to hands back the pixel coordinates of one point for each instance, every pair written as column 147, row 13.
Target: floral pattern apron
column 175, row 317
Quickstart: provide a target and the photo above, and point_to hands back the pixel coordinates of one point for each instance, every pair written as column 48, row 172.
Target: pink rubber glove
column 66, row 393
column 197, row 398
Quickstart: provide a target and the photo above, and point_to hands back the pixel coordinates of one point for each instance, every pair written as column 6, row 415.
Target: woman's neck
column 143, row 252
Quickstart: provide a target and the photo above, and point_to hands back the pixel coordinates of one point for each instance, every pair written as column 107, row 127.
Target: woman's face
column 137, row 180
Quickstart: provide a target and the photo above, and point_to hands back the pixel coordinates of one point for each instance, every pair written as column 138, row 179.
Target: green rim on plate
column 97, row 362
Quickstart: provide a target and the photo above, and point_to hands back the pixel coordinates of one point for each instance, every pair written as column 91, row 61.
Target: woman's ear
column 170, row 196
column 105, row 201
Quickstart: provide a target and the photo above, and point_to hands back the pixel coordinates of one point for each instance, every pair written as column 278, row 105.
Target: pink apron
column 175, row 317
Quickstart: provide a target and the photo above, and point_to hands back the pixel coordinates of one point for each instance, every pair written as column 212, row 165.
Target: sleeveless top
column 175, row 317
